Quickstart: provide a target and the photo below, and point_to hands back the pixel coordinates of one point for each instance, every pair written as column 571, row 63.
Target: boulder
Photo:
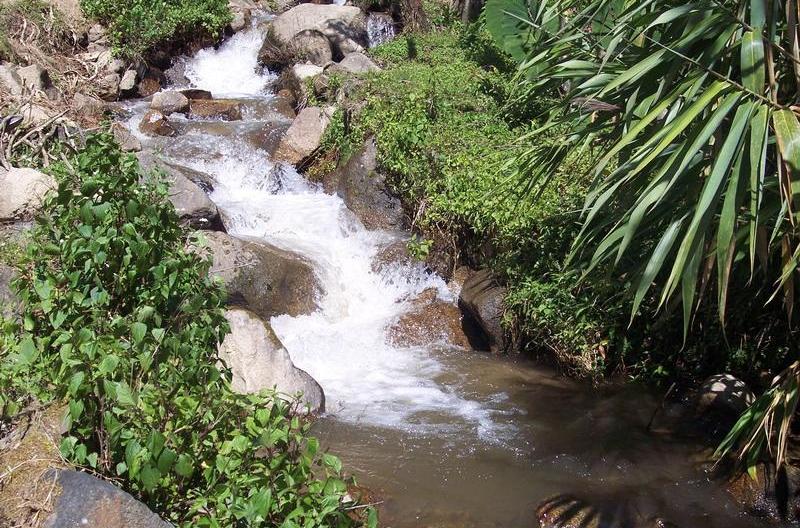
column 23, row 190
column 170, row 102
column 354, row 63
column 364, row 190
column 267, row 280
column 225, row 109
column 259, row 361
column 720, row 402
column 304, row 136
column 154, row 123
column 34, row 77
column 196, row 93
column 430, row 319
column 148, row 86
column 128, row 81
column 195, row 208
column 107, row 86
column 85, row 500
column 295, row 80
column 87, row 106
column 127, row 141
column 10, row 82
column 483, row 300
column 311, row 46
column 344, row 26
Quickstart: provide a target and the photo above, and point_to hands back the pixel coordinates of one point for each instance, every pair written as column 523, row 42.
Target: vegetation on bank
column 138, row 26
column 120, row 324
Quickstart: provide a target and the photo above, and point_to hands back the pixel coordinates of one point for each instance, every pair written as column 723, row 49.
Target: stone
column 127, row 141
column 23, row 191
column 430, row 319
column 154, row 123
column 196, row 93
column 33, row 114
column 108, row 86
column 225, row 109
column 482, row 299
column 97, row 33
column 86, row 105
column 9, row 302
column 311, row 46
column 344, row 26
column 85, row 500
column 720, row 402
column 148, row 86
column 128, row 81
column 304, row 136
column 10, row 82
column 170, row 102
column 34, row 77
column 354, row 63
column 259, row 361
column 265, row 279
column 294, row 80
column 194, row 207
column 239, row 20
column 364, row 190
column 394, row 254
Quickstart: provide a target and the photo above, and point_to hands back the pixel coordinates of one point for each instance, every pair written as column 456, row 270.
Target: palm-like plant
column 689, row 109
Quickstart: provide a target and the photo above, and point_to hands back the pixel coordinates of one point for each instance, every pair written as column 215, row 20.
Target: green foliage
column 419, row 247
column 137, row 26
column 121, row 323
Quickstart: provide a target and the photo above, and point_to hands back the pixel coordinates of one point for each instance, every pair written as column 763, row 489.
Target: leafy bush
column 136, row 26
column 121, row 323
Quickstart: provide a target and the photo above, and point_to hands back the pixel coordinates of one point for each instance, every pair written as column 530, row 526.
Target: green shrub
column 136, row 26
column 122, row 324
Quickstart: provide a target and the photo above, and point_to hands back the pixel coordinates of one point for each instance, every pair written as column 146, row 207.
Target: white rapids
column 344, row 345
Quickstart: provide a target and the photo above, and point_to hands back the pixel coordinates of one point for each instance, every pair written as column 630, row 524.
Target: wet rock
column 127, row 141
column 88, row 501
column 194, row 207
column 483, row 300
column 23, row 191
column 267, row 280
column 196, row 93
column 311, row 46
column 773, row 494
column 364, row 190
column 259, row 361
column 395, row 253
column 353, row 63
column 225, row 109
column 304, row 136
column 154, row 123
column 34, row 77
column 268, row 137
column 430, row 319
column 720, row 402
column 9, row 80
column 170, row 102
column 344, row 26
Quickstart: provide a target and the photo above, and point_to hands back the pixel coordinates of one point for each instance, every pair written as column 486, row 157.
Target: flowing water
column 449, row 437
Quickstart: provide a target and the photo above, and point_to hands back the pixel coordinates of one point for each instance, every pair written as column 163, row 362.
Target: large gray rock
column 482, row 299
column 312, row 46
column 304, row 136
column 34, row 77
column 296, row 80
column 259, row 361
column 364, row 190
column 23, row 190
column 354, row 63
column 344, row 26
column 85, row 500
column 170, row 102
column 263, row 278
column 192, row 204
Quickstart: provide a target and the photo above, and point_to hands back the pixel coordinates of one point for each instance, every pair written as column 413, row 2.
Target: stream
column 447, row 437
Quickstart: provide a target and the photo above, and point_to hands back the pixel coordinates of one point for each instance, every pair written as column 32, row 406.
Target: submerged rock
column 267, row 280
column 259, row 361
column 483, row 299
column 225, row 109
column 23, row 191
column 364, row 190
